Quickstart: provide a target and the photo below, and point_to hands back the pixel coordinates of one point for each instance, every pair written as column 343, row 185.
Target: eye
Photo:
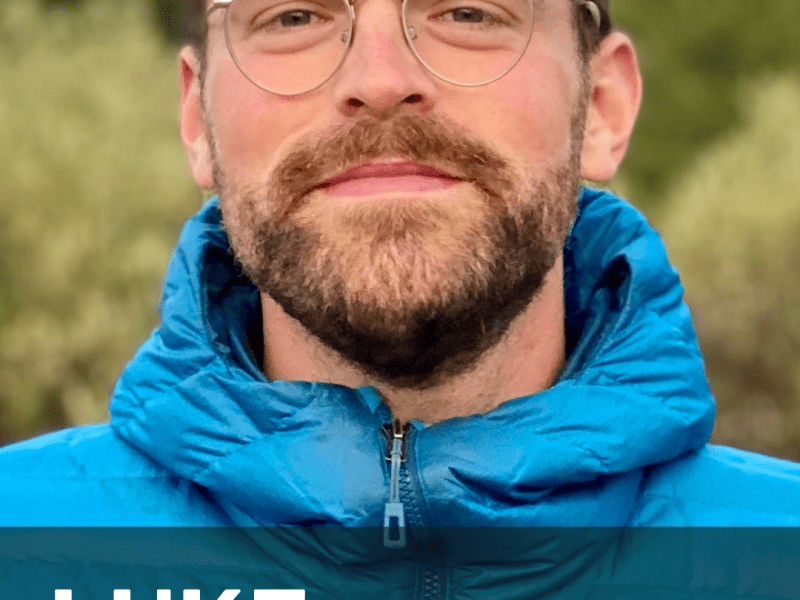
column 466, row 14
column 291, row 18
column 471, row 15
column 295, row 18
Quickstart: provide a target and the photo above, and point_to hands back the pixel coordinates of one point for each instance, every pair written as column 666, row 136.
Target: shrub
column 732, row 227
column 94, row 190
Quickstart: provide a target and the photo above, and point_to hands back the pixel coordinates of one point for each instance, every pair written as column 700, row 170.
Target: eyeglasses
column 291, row 47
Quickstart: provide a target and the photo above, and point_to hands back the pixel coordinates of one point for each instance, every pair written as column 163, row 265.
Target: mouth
column 388, row 178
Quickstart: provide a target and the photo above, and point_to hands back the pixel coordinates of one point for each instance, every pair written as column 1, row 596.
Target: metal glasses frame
column 410, row 35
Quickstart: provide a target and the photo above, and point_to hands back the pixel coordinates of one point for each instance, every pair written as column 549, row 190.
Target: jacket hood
column 633, row 394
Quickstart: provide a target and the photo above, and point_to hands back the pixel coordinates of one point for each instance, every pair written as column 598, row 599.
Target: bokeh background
column 94, row 188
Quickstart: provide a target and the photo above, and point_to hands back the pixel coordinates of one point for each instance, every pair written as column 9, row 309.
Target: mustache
column 419, row 138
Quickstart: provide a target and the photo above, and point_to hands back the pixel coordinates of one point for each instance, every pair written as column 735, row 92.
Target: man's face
column 402, row 220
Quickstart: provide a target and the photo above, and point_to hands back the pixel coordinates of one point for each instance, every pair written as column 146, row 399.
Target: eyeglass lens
column 291, row 47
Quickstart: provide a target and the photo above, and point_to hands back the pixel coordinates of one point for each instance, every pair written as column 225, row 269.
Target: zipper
column 394, row 519
column 432, row 575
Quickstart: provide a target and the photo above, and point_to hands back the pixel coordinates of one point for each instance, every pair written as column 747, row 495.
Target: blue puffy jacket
column 198, row 436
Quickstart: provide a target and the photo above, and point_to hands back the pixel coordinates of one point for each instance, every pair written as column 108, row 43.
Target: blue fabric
column 198, row 436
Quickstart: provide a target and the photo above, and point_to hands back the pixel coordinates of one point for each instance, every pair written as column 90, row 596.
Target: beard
column 411, row 291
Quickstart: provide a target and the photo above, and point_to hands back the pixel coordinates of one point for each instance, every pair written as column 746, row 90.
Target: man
column 403, row 311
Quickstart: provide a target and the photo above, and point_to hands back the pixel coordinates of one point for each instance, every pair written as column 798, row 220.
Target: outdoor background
column 94, row 189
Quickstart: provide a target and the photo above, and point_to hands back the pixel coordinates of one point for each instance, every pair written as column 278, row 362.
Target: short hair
column 589, row 34
column 195, row 33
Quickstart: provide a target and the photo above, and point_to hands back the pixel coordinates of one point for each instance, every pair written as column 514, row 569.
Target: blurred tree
column 171, row 17
column 180, row 20
column 94, row 190
column 61, row 3
column 732, row 226
column 694, row 58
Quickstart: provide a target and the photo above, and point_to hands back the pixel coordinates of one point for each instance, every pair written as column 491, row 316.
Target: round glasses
column 291, row 47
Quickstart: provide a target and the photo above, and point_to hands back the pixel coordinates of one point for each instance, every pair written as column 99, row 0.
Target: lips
column 388, row 178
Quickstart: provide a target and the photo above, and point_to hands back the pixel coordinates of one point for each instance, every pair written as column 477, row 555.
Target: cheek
column 531, row 108
column 251, row 125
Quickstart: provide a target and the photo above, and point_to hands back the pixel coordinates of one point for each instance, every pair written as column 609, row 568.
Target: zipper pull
column 394, row 520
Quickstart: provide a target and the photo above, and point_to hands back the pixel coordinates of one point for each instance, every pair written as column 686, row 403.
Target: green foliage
column 694, row 58
column 732, row 227
column 172, row 18
column 94, row 189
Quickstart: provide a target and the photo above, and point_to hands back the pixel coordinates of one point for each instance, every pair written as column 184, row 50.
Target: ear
column 192, row 125
column 616, row 93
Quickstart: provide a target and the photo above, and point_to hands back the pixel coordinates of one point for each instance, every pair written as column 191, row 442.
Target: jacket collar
column 633, row 394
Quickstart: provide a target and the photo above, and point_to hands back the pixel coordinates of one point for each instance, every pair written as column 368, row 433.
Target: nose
column 381, row 77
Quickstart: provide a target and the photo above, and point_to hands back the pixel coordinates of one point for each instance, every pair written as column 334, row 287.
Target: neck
column 527, row 360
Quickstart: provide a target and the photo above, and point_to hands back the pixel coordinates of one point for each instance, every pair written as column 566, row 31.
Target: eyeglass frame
column 408, row 31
